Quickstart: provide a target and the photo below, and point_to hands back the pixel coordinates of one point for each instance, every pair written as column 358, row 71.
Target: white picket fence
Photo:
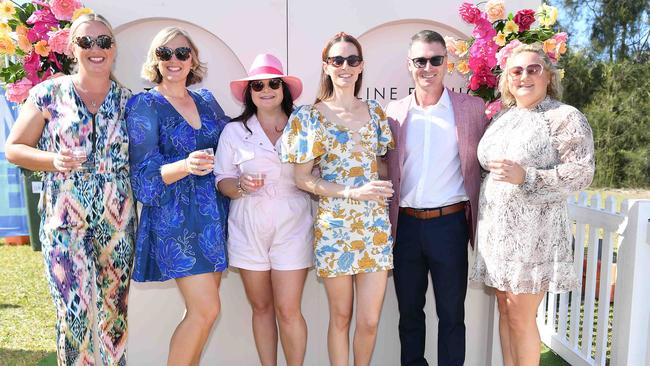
column 559, row 316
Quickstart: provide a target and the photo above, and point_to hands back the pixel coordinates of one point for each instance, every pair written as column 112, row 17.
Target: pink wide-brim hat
column 265, row 66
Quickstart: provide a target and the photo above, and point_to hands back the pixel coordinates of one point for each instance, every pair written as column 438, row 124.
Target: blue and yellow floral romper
column 350, row 236
column 87, row 222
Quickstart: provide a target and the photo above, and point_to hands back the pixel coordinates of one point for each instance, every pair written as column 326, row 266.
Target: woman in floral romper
column 87, row 212
column 345, row 137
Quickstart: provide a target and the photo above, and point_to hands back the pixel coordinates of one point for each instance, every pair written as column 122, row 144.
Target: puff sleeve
column 145, row 157
column 385, row 139
column 303, row 138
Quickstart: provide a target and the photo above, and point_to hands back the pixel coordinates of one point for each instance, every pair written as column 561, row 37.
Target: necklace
column 276, row 129
column 88, row 97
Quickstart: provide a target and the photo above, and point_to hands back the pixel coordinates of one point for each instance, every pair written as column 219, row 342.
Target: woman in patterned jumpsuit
column 345, row 137
column 86, row 207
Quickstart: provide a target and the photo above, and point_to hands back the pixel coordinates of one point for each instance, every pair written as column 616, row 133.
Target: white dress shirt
column 431, row 176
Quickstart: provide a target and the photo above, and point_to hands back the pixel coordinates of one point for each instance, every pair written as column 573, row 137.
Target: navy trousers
column 437, row 247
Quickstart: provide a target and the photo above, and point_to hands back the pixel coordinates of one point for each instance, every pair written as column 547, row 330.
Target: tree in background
column 609, row 80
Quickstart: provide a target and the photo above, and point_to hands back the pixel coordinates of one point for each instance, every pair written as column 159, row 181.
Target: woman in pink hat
column 270, row 222
column 345, row 137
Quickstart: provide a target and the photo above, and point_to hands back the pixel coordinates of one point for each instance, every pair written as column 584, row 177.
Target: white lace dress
column 524, row 239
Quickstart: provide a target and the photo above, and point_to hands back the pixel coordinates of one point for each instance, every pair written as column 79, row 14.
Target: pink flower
column 64, row 9
column 59, row 41
column 504, row 53
column 483, row 54
column 491, row 109
column 561, row 37
column 524, row 19
column 18, row 91
column 469, row 12
column 485, row 77
column 55, row 62
column 43, row 21
column 32, row 65
column 483, row 29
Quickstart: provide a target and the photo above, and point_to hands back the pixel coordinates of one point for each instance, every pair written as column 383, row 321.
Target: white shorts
column 271, row 229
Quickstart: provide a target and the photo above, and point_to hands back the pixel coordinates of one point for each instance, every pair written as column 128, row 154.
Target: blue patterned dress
column 182, row 228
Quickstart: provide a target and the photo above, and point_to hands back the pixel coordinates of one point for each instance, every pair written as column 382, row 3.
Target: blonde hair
column 150, row 67
column 87, row 18
column 554, row 88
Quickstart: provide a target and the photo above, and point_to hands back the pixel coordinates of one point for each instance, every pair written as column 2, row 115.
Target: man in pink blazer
column 436, row 177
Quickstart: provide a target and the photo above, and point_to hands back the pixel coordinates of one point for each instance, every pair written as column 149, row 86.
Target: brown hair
column 150, row 67
column 326, row 87
column 554, row 88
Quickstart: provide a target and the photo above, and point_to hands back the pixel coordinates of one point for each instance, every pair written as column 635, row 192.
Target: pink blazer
column 469, row 112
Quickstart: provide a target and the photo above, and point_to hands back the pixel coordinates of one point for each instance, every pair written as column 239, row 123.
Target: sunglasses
column 421, row 62
column 258, row 85
column 165, row 53
column 518, row 71
column 337, row 61
column 102, row 41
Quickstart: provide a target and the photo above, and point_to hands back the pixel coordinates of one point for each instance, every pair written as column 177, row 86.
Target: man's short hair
column 428, row 36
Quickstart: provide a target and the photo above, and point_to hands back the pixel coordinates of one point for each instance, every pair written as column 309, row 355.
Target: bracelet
column 346, row 192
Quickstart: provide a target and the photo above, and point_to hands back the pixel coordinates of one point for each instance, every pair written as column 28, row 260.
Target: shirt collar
column 444, row 101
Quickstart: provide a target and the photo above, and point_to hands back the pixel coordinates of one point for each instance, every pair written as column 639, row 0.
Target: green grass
column 27, row 314
column 550, row 358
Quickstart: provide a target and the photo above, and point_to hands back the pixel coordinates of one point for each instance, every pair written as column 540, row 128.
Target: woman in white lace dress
column 537, row 152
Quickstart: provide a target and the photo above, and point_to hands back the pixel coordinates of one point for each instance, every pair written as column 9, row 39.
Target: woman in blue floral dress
column 345, row 137
column 72, row 128
column 182, row 231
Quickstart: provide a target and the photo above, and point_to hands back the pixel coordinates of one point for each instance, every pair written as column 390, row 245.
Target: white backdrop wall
column 229, row 34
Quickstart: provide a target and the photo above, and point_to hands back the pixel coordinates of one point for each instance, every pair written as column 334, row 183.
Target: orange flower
column 380, row 238
column 549, row 45
column 366, row 262
column 21, row 30
column 318, row 149
column 357, row 245
column 356, row 171
column 357, row 226
column 24, row 44
column 450, row 67
column 462, row 67
column 323, row 272
column 7, row 46
column 41, row 48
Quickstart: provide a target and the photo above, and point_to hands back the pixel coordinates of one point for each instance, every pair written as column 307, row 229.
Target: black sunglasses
column 102, row 41
column 258, row 85
column 165, row 53
column 421, row 62
column 337, row 61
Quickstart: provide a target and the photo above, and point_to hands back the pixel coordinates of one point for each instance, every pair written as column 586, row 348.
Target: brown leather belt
column 430, row 213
